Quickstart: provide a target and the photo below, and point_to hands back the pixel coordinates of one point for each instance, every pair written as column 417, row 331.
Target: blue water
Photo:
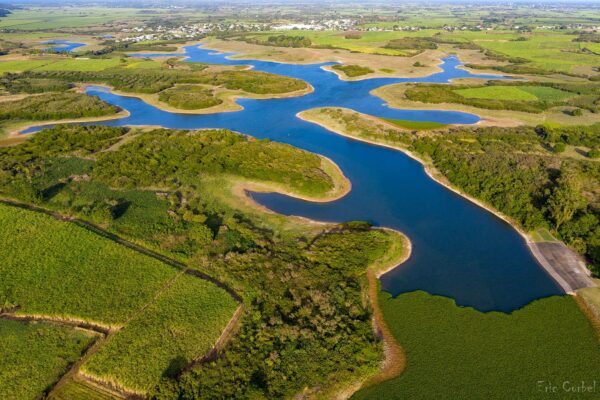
column 63, row 46
column 459, row 250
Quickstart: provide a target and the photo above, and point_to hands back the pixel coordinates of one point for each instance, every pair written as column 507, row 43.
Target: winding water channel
column 459, row 249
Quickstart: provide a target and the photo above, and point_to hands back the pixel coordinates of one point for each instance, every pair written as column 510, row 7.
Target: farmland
column 165, row 337
column 487, row 356
column 164, row 238
column 98, row 265
column 35, row 355
column 189, row 224
column 106, row 284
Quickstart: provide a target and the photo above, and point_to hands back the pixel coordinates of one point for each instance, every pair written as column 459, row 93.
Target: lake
column 459, row 249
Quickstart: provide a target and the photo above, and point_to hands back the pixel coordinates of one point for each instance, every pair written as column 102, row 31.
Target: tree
column 566, row 198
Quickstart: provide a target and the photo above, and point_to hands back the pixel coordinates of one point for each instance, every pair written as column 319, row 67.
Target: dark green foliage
column 487, row 355
column 306, row 322
column 588, row 37
column 288, row 41
column 574, row 135
column 307, row 325
column 189, row 97
column 435, row 93
column 14, row 84
column 594, row 153
column 504, row 167
column 165, row 156
column 52, row 106
column 154, row 81
column 411, row 43
column 252, row 81
column 352, row 70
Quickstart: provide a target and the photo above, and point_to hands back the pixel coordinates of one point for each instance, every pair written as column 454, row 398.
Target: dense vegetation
column 458, row 352
column 156, row 80
column 15, row 84
column 306, row 322
column 288, row 41
column 412, row 43
column 54, row 106
column 163, row 156
column 352, row 70
column 189, row 97
column 509, row 169
column 517, row 97
column 516, row 170
column 308, row 325
column 35, row 355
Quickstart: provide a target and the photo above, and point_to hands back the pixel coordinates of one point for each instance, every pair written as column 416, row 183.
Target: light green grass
column 35, row 355
column 415, row 125
column 22, row 65
column 60, row 64
column 497, row 93
column 183, row 324
column 542, row 235
column 81, row 64
column 60, row 269
column 459, row 353
column 545, row 93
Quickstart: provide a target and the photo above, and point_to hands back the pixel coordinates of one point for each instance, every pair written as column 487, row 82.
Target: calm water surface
column 459, row 250
column 63, row 46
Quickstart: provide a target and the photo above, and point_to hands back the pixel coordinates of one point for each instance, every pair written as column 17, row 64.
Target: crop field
column 35, row 355
column 497, row 92
column 59, row 269
column 182, row 324
column 486, row 355
column 59, row 64
column 546, row 50
column 77, row 389
column 64, row 17
column 518, row 93
column 367, row 42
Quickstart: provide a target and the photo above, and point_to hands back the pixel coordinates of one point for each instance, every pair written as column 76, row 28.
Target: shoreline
column 432, row 173
column 229, row 104
column 394, row 362
column 16, row 132
column 377, row 75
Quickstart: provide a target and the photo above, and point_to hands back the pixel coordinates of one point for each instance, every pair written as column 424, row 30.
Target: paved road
column 563, row 264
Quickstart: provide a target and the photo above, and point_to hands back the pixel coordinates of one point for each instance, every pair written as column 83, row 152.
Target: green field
column 515, row 93
column 61, row 270
column 76, row 389
column 61, row 64
column 497, row 92
column 46, row 18
column 35, row 355
column 415, row 125
column 181, row 325
column 459, row 353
